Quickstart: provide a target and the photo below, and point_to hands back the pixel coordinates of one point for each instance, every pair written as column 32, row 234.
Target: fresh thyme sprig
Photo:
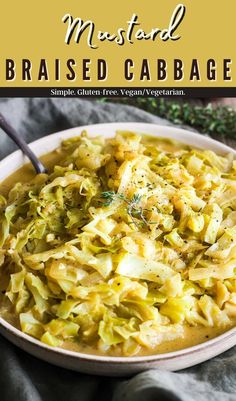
column 215, row 121
column 110, row 196
column 134, row 210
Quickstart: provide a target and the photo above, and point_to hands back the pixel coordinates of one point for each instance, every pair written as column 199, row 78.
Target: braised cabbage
column 122, row 245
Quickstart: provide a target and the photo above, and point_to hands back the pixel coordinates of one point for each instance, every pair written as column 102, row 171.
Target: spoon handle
column 10, row 131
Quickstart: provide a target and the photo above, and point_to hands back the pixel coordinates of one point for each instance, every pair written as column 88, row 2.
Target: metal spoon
column 10, row 131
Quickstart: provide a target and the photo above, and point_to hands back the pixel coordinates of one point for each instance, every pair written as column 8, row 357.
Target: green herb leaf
column 214, row 121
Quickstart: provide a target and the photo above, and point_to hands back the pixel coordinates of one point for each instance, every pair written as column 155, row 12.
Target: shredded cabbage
column 125, row 243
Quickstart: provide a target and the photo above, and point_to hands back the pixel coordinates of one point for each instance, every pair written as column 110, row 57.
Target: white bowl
column 107, row 365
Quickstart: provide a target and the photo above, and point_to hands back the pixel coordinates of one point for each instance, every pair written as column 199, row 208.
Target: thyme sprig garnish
column 134, row 209
column 110, row 196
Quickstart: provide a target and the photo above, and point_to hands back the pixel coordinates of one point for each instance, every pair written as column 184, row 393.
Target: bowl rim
column 197, row 140
column 194, row 138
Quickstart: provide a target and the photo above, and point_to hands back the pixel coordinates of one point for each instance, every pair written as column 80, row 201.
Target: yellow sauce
column 192, row 336
column 27, row 172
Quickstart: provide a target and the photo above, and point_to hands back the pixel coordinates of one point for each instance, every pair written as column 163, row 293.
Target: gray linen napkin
column 25, row 378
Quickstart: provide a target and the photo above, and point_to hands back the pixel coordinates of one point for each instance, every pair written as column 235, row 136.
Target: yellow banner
column 153, row 43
